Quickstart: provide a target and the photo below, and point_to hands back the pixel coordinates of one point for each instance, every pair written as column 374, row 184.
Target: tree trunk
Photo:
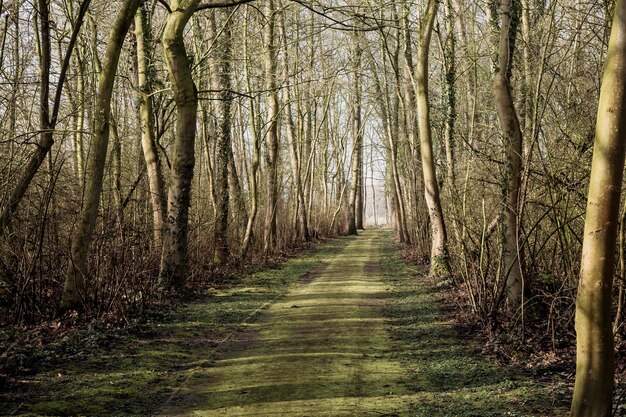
column 450, row 95
column 512, row 140
column 222, row 83
column 302, row 228
column 593, row 392
column 439, row 263
column 271, row 137
column 73, row 288
column 174, row 256
column 156, row 184
column 256, row 150
column 357, row 141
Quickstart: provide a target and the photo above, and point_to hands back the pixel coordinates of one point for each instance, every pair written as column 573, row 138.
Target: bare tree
column 74, row 285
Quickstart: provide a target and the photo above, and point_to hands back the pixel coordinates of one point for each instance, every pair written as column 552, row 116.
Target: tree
column 271, row 136
column 145, row 55
column 593, row 391
column 221, row 80
column 174, row 258
column 355, row 204
column 439, row 263
column 512, row 141
column 74, row 286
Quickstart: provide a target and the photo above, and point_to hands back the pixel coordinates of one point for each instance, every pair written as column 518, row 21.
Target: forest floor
column 347, row 329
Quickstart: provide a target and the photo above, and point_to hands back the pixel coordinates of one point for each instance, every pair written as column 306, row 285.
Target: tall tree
column 73, row 288
column 355, row 202
column 512, row 141
column 221, row 80
column 174, row 258
column 439, row 263
column 271, row 135
column 593, row 392
column 145, row 56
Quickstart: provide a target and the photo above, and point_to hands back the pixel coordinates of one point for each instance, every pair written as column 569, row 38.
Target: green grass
column 447, row 375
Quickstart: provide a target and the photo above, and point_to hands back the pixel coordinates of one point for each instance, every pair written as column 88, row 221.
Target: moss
column 440, row 267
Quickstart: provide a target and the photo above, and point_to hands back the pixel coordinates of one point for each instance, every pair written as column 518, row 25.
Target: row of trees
column 471, row 122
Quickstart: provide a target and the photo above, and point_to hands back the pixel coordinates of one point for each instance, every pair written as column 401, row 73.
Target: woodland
column 154, row 150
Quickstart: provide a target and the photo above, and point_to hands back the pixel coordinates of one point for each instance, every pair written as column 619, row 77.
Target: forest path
column 347, row 328
column 360, row 335
column 324, row 349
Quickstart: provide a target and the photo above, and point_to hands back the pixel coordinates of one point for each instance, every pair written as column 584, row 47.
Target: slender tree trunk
column 512, row 140
column 73, row 288
column 256, row 150
column 450, row 95
column 527, row 79
column 156, row 184
column 174, row 259
column 222, row 83
column 236, row 191
column 439, row 263
column 117, row 177
column 357, row 140
column 79, row 151
column 301, row 207
column 593, row 392
column 271, row 136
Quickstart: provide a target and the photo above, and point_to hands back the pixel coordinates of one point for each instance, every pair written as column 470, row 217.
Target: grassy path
column 347, row 329
column 359, row 337
column 321, row 350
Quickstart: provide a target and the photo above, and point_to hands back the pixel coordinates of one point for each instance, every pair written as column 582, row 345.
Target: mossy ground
column 138, row 374
column 359, row 334
column 446, row 374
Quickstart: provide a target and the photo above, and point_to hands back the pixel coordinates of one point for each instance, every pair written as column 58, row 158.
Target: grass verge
column 446, row 372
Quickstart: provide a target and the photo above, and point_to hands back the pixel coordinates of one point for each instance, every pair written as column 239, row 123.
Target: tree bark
column 174, row 258
column 271, row 137
column 357, row 140
column 73, row 288
column 439, row 263
column 593, row 391
column 450, row 95
column 222, row 83
column 156, row 184
column 512, row 141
